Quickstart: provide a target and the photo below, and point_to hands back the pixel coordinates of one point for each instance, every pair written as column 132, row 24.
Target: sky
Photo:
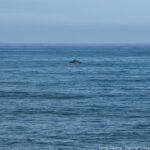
column 75, row 21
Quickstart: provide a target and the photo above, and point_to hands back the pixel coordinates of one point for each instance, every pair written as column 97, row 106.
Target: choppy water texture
column 48, row 104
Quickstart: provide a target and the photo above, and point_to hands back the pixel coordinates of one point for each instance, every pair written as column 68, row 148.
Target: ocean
column 46, row 103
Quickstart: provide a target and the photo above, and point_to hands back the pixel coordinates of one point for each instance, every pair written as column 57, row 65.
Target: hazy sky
column 75, row 21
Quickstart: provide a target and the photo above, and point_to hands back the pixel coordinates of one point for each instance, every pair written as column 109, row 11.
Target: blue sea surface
column 48, row 104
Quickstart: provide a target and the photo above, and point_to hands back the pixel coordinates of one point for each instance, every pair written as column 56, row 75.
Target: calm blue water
column 48, row 104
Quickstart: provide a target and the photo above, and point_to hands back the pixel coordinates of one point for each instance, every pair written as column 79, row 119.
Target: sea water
column 48, row 104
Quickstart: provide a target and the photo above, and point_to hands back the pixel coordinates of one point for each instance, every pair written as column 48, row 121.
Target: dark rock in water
column 75, row 62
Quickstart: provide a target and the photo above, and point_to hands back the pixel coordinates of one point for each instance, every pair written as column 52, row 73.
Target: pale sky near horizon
column 74, row 21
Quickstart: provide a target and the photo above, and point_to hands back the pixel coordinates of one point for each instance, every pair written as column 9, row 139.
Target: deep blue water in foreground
column 48, row 104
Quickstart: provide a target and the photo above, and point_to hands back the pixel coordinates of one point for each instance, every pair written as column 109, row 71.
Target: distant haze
column 74, row 21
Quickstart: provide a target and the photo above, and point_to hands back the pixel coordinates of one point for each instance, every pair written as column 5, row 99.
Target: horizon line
column 79, row 43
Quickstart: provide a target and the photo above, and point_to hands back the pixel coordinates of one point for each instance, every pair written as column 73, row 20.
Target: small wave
column 21, row 94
